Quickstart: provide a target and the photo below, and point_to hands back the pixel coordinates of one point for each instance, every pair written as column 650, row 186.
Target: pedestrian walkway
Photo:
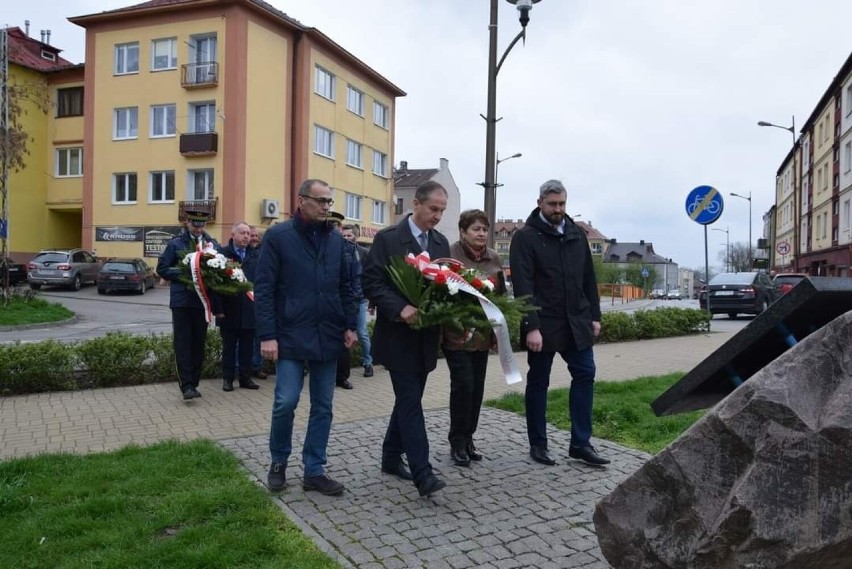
column 503, row 512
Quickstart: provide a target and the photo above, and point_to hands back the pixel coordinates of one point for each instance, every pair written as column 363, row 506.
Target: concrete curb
column 40, row 325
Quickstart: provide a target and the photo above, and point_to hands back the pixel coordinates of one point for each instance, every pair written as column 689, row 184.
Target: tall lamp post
column 490, row 184
column 497, row 166
column 750, row 257
column 727, row 232
column 796, row 188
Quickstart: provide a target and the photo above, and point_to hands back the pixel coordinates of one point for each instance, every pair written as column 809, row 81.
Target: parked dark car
column 64, row 267
column 739, row 293
column 786, row 281
column 126, row 274
column 17, row 271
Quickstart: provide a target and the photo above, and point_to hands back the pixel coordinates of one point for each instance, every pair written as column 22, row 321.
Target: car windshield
column 119, row 267
column 732, row 278
column 51, row 258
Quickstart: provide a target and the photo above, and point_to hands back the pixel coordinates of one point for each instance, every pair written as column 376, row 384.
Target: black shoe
column 587, row 454
column 368, row 371
column 277, row 477
column 430, row 485
column 248, row 384
column 540, row 455
column 399, row 470
column 260, row 374
column 460, row 457
column 227, row 385
column 188, row 393
column 472, row 453
column 323, row 484
column 345, row 384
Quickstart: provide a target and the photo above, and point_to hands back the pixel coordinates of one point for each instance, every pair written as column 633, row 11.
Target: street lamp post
column 796, row 188
column 497, row 166
column 490, row 185
column 750, row 257
column 727, row 232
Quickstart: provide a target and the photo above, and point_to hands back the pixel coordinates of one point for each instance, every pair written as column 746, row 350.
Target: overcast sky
column 631, row 104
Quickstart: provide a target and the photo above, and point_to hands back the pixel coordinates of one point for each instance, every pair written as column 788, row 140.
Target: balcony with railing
column 199, row 75
column 199, row 143
column 208, row 206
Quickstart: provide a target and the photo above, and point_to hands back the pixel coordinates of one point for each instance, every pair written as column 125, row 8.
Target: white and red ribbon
column 195, row 261
column 430, row 269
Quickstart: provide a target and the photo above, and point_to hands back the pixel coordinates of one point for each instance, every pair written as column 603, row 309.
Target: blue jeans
column 256, row 359
column 581, row 365
column 288, row 387
column 364, row 336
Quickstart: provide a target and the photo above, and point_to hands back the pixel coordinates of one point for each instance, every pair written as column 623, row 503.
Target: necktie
column 424, row 241
column 242, row 253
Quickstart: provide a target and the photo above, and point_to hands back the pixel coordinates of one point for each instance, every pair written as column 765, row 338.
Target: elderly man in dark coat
column 306, row 312
column 407, row 353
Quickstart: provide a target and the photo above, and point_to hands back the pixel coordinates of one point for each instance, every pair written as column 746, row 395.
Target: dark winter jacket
column 303, row 291
column 395, row 344
column 239, row 308
column 168, row 267
column 557, row 270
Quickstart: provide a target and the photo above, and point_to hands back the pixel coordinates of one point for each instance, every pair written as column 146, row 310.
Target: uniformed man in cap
column 189, row 325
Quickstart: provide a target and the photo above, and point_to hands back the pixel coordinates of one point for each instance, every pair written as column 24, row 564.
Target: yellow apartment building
column 818, row 199
column 219, row 105
column 45, row 196
column 783, row 250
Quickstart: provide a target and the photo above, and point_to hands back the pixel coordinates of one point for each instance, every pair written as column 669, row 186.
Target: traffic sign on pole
column 704, row 205
column 783, row 248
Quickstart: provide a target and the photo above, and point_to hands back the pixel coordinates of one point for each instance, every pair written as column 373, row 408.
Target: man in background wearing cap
column 551, row 261
column 306, row 312
column 189, row 326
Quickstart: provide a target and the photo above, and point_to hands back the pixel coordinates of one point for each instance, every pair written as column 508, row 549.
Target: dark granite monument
column 764, row 480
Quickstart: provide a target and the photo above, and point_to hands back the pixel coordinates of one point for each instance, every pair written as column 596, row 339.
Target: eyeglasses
column 322, row 201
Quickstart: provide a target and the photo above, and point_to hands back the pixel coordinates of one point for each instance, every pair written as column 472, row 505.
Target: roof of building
column 511, row 226
column 260, row 5
column 411, row 178
column 27, row 52
column 624, row 252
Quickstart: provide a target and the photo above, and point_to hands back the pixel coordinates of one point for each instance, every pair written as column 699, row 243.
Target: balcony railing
column 198, row 75
column 199, row 143
column 208, row 206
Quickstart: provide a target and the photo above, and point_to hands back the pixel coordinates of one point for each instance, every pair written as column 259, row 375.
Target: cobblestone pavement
column 503, row 512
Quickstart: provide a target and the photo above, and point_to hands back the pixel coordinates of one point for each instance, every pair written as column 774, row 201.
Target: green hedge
column 119, row 358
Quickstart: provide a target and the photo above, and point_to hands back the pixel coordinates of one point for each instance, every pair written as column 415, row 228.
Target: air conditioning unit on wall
column 270, row 209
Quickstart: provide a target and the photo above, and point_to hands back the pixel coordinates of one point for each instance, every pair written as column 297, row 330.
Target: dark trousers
column 467, row 385
column 344, row 365
column 581, row 366
column 406, row 428
column 189, row 331
column 237, row 347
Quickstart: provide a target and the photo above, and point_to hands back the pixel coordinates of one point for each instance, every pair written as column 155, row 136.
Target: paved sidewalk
column 503, row 512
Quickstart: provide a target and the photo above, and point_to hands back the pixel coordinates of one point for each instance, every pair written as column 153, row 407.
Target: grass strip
column 621, row 412
column 21, row 310
column 174, row 504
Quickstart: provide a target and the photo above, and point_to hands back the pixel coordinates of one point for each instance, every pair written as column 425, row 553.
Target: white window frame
column 169, row 44
column 123, row 64
column 125, row 119
column 324, row 83
column 63, row 158
column 380, row 164
column 355, row 100
column 165, row 121
column 380, row 115
column 124, row 180
column 209, row 118
column 208, row 184
column 323, row 142
column 354, row 154
column 379, row 212
column 158, row 181
column 353, row 206
column 847, row 156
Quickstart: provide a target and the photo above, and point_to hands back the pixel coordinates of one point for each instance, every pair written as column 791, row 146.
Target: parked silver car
column 63, row 267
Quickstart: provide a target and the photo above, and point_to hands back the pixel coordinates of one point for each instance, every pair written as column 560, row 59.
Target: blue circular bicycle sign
column 704, row 205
